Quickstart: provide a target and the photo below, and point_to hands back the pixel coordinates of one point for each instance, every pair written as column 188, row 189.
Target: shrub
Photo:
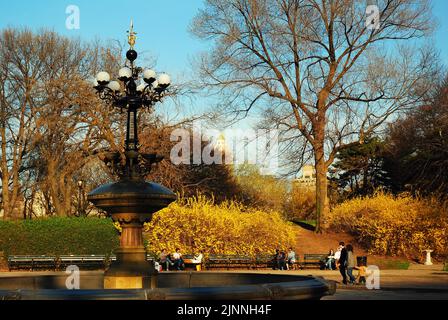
column 198, row 224
column 394, row 225
column 58, row 236
column 302, row 204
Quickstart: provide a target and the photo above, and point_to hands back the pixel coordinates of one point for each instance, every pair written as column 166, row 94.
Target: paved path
column 344, row 294
column 419, row 283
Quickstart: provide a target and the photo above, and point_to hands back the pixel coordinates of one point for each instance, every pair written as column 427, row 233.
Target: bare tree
column 51, row 120
column 20, row 69
column 73, row 123
column 333, row 73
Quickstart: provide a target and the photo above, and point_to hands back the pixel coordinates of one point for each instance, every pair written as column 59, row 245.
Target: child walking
column 362, row 272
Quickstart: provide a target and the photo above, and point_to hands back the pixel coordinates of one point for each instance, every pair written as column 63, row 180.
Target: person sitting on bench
column 197, row 260
column 165, row 261
column 280, row 259
column 291, row 259
column 178, row 261
column 330, row 260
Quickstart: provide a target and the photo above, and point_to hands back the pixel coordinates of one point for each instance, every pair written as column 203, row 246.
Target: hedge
column 387, row 224
column 198, row 224
column 58, row 236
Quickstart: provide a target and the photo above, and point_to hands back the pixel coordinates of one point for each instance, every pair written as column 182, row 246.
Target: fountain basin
column 171, row 286
column 137, row 197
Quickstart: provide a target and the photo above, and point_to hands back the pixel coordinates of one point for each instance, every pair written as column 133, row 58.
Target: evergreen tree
column 359, row 170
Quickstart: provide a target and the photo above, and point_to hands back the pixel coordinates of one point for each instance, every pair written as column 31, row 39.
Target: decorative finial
column 132, row 35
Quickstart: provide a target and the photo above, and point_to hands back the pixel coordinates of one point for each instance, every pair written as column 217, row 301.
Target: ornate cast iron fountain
column 131, row 201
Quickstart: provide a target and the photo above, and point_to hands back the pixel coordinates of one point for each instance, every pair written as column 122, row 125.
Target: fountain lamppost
column 131, row 201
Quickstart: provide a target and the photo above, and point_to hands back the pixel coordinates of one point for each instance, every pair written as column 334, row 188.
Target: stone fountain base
column 171, row 286
column 130, row 271
column 131, row 203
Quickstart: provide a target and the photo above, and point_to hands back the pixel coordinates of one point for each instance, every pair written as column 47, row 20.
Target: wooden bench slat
column 314, row 259
column 31, row 262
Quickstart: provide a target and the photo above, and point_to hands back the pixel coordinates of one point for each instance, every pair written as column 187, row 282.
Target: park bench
column 151, row 257
column 240, row 261
column 21, row 262
column 112, row 258
column 314, row 260
column 264, row 261
column 86, row 262
column 268, row 261
column 229, row 261
column 217, row 261
column 109, row 260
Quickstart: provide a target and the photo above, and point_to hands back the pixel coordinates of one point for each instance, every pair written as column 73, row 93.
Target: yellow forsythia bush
column 197, row 224
column 394, row 225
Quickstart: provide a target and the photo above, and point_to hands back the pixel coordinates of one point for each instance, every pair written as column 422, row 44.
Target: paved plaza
column 418, row 283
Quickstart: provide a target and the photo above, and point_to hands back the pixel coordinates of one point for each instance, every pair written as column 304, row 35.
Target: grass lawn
column 388, row 263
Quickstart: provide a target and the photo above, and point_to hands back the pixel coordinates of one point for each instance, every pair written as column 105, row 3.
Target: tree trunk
column 322, row 207
column 54, row 192
column 5, row 176
column 5, row 199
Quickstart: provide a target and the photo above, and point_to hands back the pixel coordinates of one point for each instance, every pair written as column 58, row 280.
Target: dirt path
column 310, row 242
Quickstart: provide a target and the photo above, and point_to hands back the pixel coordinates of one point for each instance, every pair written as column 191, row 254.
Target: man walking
column 342, row 262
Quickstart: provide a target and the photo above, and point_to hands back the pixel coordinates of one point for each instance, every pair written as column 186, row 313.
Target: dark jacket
column 343, row 258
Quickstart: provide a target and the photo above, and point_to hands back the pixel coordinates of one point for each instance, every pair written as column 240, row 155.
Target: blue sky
column 162, row 25
column 162, row 28
column 441, row 35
